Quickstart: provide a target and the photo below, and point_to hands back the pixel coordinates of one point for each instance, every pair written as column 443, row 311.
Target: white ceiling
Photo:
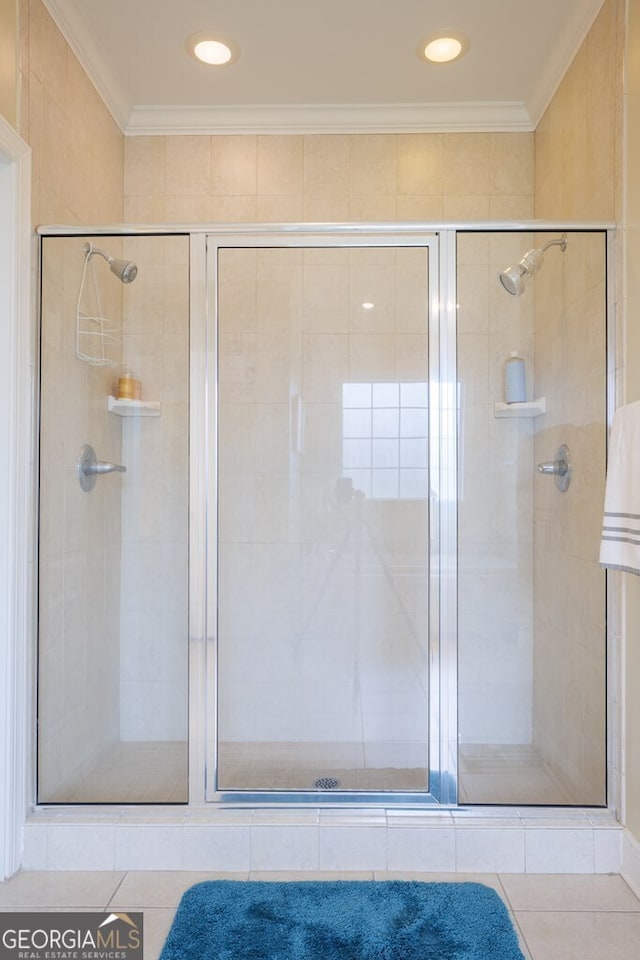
column 330, row 66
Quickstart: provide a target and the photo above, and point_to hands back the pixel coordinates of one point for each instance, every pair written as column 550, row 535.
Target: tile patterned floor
column 558, row 917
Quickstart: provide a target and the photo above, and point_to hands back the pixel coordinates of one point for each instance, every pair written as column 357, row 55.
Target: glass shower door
column 113, row 513
column 323, row 524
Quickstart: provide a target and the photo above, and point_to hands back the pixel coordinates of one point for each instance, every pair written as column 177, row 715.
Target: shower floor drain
column 326, row 783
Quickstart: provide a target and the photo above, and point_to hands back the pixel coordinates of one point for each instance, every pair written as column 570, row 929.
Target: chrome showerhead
column 124, row 270
column 513, row 278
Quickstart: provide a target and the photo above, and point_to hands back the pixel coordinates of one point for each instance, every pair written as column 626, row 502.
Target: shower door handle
column 89, row 468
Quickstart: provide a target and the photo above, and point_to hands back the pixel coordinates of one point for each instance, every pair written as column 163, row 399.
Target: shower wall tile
column 329, row 178
column 326, row 167
column 376, row 208
column 153, row 615
column 420, row 162
column 193, row 152
column 466, row 207
column 77, row 178
column 234, row 161
column 273, row 209
column 145, row 174
column 570, row 628
column 467, row 164
column 511, row 208
column 79, row 598
column 280, row 165
column 495, row 502
column 418, row 208
column 577, row 168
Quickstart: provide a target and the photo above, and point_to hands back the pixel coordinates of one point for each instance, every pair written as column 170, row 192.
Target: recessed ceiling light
column 443, row 47
column 212, row 50
column 367, row 305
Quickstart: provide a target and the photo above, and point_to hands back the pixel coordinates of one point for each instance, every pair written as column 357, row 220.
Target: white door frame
column 17, row 361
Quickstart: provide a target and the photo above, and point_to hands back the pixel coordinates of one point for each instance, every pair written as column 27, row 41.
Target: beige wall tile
column 327, row 165
column 322, row 209
column 376, row 207
column 144, row 210
column 273, row 209
column 420, row 164
column 144, row 167
column 188, row 208
column 467, row 208
column 373, row 165
column 427, row 209
column 233, row 209
column 467, row 164
column 234, row 166
column 577, row 166
column 188, row 166
column 280, row 165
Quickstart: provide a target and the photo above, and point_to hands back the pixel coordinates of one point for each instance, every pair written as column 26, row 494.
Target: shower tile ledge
column 492, row 839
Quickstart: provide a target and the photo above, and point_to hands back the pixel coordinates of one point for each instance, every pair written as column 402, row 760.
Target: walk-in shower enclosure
column 311, row 557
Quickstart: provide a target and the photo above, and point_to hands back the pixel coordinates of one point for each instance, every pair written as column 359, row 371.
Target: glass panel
column 323, row 541
column 532, row 638
column 113, row 554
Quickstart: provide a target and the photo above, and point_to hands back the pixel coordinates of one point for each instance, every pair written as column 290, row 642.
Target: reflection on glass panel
column 386, row 395
column 391, row 416
column 323, row 568
column 113, row 551
column 385, row 423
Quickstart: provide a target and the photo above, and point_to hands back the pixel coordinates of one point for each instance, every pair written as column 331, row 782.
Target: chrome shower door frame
column 442, row 575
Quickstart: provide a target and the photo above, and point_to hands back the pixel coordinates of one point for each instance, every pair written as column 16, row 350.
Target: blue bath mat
column 341, row 920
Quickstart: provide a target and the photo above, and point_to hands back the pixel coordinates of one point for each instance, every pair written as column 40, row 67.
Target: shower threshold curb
column 452, row 840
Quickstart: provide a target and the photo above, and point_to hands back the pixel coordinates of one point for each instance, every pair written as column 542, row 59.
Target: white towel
column 620, row 547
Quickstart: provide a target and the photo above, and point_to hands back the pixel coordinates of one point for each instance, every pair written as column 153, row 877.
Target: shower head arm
column 558, row 242
column 89, row 250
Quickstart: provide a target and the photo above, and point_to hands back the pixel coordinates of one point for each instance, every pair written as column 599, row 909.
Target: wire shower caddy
column 97, row 338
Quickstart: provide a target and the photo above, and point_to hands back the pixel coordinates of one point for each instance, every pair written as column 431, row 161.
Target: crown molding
column 330, row 118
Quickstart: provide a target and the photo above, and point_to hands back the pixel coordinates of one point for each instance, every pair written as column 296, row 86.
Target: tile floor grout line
column 121, row 881
column 513, row 915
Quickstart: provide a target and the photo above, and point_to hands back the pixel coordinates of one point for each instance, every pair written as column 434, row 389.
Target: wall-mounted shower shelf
column 529, row 408
column 134, row 408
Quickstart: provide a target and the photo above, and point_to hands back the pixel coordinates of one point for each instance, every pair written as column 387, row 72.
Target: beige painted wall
column 8, row 60
column 632, row 393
